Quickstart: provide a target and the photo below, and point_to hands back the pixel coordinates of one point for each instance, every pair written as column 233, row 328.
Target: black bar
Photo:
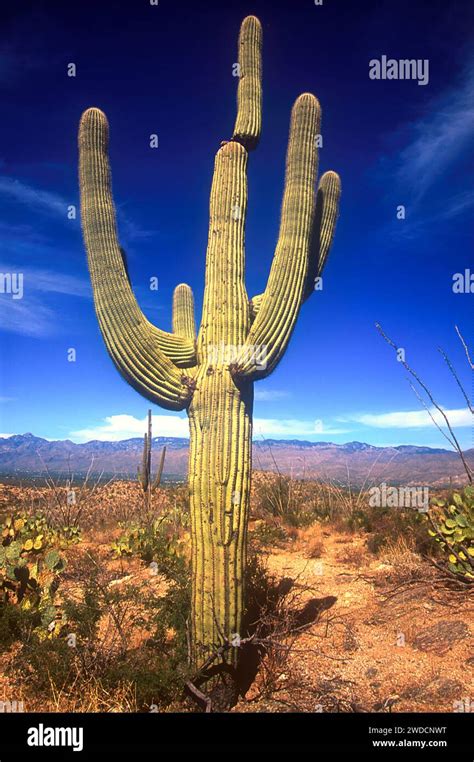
column 442, row 734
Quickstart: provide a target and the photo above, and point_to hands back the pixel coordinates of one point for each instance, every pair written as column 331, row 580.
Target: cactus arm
column 225, row 314
column 149, row 443
column 325, row 218
column 93, row 140
column 183, row 313
column 276, row 318
column 130, row 339
column 248, row 123
column 143, row 473
column 324, row 226
column 178, row 349
column 159, row 473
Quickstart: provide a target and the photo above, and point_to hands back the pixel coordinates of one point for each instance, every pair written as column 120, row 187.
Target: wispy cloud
column 411, row 419
column 43, row 200
column 30, row 316
column 293, row 427
column 131, row 231
column 27, row 317
column 52, row 203
column 36, row 279
column 271, row 395
column 437, row 138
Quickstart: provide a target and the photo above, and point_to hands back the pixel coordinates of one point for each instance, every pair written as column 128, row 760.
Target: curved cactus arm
column 135, row 346
column 183, row 312
column 96, row 185
column 325, row 218
column 248, row 123
column 283, row 296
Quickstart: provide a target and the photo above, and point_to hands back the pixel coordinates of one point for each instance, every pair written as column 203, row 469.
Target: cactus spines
column 248, row 123
column 183, row 313
column 213, row 376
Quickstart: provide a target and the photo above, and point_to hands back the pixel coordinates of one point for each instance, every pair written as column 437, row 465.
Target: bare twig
column 440, row 410
column 456, row 378
column 471, row 363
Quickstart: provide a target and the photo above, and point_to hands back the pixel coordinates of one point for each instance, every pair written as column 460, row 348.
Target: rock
column 440, row 637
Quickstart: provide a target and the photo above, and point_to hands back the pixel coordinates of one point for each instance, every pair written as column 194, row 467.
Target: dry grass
column 92, row 696
column 310, row 541
column 405, row 562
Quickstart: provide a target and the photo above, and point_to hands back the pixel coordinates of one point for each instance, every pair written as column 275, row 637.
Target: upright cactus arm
column 183, row 313
column 138, row 349
column 248, row 123
column 324, row 226
column 225, row 314
column 325, row 218
column 283, row 296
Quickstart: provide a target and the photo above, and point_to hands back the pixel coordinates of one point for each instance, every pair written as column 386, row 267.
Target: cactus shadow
column 275, row 613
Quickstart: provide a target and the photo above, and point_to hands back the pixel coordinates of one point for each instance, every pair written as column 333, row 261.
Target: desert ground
column 350, row 608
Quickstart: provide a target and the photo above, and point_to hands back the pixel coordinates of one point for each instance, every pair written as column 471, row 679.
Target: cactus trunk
column 220, row 418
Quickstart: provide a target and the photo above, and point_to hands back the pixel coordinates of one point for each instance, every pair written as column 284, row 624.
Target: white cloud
column 117, row 427
column 412, row 419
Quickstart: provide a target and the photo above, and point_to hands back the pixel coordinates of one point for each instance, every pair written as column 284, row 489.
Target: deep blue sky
column 168, row 70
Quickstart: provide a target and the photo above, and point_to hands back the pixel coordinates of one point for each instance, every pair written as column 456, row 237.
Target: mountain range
column 23, row 455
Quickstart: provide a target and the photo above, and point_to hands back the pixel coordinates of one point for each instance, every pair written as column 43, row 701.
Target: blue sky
column 168, row 70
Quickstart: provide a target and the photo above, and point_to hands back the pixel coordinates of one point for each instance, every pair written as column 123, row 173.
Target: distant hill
column 26, row 454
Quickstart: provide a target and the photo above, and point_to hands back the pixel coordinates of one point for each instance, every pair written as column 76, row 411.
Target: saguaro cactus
column 148, row 483
column 240, row 340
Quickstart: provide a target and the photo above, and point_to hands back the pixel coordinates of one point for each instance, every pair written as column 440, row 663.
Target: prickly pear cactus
column 30, row 568
column 452, row 522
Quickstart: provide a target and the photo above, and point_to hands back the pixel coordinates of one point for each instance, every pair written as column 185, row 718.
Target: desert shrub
column 267, row 533
column 406, row 562
column 314, row 543
column 386, row 525
column 353, row 555
column 160, row 668
column 452, row 528
column 95, row 648
column 281, row 497
column 153, row 543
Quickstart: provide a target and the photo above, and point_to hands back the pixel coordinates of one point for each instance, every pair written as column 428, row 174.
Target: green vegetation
column 452, row 527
